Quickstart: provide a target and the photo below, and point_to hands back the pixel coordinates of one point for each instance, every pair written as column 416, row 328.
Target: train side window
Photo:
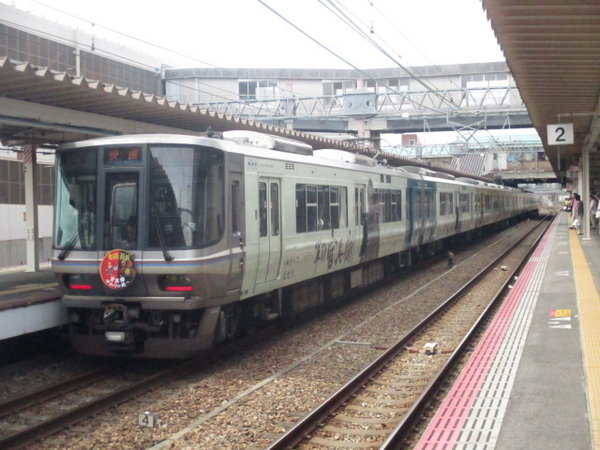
column 487, row 202
column 463, row 203
column 359, row 207
column 262, row 208
column 442, row 203
column 428, row 204
column 311, row 208
column 300, row 208
column 320, row 207
column 323, row 222
column 337, row 207
column 397, row 206
column 274, row 209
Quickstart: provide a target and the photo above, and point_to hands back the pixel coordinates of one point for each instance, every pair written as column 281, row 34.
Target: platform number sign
column 560, row 134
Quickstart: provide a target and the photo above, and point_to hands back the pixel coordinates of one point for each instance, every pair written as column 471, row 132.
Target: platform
column 533, row 381
column 29, row 302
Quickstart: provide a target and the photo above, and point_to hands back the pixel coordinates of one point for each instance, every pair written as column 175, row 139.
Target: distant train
column 165, row 245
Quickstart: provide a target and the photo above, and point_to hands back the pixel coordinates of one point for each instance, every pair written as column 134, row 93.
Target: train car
column 166, row 245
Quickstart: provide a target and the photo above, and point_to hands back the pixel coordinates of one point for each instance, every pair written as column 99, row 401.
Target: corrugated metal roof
column 74, row 96
column 470, row 164
column 39, row 85
column 553, row 50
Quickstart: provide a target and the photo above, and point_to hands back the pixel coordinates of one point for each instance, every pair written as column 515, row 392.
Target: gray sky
column 244, row 33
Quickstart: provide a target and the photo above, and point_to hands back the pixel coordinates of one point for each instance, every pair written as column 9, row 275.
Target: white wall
column 12, row 221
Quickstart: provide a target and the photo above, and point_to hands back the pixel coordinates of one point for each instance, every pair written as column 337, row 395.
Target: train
column 165, row 246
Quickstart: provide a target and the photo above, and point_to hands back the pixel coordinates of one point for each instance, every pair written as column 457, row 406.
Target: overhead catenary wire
column 359, row 70
column 367, row 36
column 170, row 50
column 399, row 31
column 151, row 44
column 337, row 5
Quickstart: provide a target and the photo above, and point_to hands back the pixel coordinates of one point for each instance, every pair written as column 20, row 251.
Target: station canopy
column 552, row 48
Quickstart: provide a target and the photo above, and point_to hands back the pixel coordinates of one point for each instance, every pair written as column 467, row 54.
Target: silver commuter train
column 165, row 245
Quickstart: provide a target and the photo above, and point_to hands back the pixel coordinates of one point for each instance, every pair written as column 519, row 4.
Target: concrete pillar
column 31, row 210
column 585, row 193
column 365, row 132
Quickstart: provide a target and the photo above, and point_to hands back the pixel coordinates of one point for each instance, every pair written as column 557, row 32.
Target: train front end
column 139, row 248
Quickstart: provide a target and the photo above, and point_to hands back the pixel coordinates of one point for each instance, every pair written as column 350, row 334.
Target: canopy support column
column 31, row 209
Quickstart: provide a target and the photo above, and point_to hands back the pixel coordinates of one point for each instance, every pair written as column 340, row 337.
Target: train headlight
column 115, row 336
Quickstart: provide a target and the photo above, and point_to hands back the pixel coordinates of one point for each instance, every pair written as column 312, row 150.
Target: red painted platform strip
column 449, row 421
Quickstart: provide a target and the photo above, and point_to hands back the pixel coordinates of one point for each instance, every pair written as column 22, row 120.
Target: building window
column 333, row 88
column 258, row 89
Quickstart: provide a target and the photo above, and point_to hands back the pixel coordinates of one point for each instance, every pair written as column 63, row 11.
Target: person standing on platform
column 593, row 209
column 580, row 213
column 574, row 211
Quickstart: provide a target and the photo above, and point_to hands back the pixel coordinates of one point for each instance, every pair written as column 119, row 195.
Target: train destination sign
column 122, row 154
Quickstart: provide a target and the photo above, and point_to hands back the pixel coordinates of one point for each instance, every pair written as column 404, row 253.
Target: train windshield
column 186, row 204
column 155, row 197
column 75, row 211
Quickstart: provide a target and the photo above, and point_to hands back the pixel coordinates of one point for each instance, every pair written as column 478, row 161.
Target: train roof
column 261, row 145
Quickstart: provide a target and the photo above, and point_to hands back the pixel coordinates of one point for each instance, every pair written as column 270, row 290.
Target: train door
column 458, row 201
column 360, row 216
column 237, row 232
column 269, row 241
column 121, row 210
column 428, row 211
column 413, row 212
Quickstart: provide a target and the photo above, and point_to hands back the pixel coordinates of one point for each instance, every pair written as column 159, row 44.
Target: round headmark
column 117, row 270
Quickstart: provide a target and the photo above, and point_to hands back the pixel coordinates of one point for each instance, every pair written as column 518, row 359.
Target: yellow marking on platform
column 560, row 313
column 29, row 287
column 588, row 303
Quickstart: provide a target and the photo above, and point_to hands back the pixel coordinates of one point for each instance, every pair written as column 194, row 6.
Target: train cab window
column 121, row 210
column 186, row 196
column 75, row 210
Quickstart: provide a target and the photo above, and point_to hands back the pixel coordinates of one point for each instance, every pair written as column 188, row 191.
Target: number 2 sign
column 560, row 134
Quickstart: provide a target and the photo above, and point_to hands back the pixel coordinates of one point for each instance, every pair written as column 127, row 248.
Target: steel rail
column 60, row 421
column 21, row 438
column 310, row 422
column 21, row 401
column 400, row 431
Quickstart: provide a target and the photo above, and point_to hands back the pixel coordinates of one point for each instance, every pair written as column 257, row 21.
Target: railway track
column 37, row 422
column 33, row 415
column 377, row 408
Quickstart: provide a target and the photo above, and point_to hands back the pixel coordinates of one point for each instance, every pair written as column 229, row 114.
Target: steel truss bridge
column 366, row 113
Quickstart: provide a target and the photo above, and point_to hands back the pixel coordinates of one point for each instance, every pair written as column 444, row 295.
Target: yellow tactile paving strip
column 588, row 304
